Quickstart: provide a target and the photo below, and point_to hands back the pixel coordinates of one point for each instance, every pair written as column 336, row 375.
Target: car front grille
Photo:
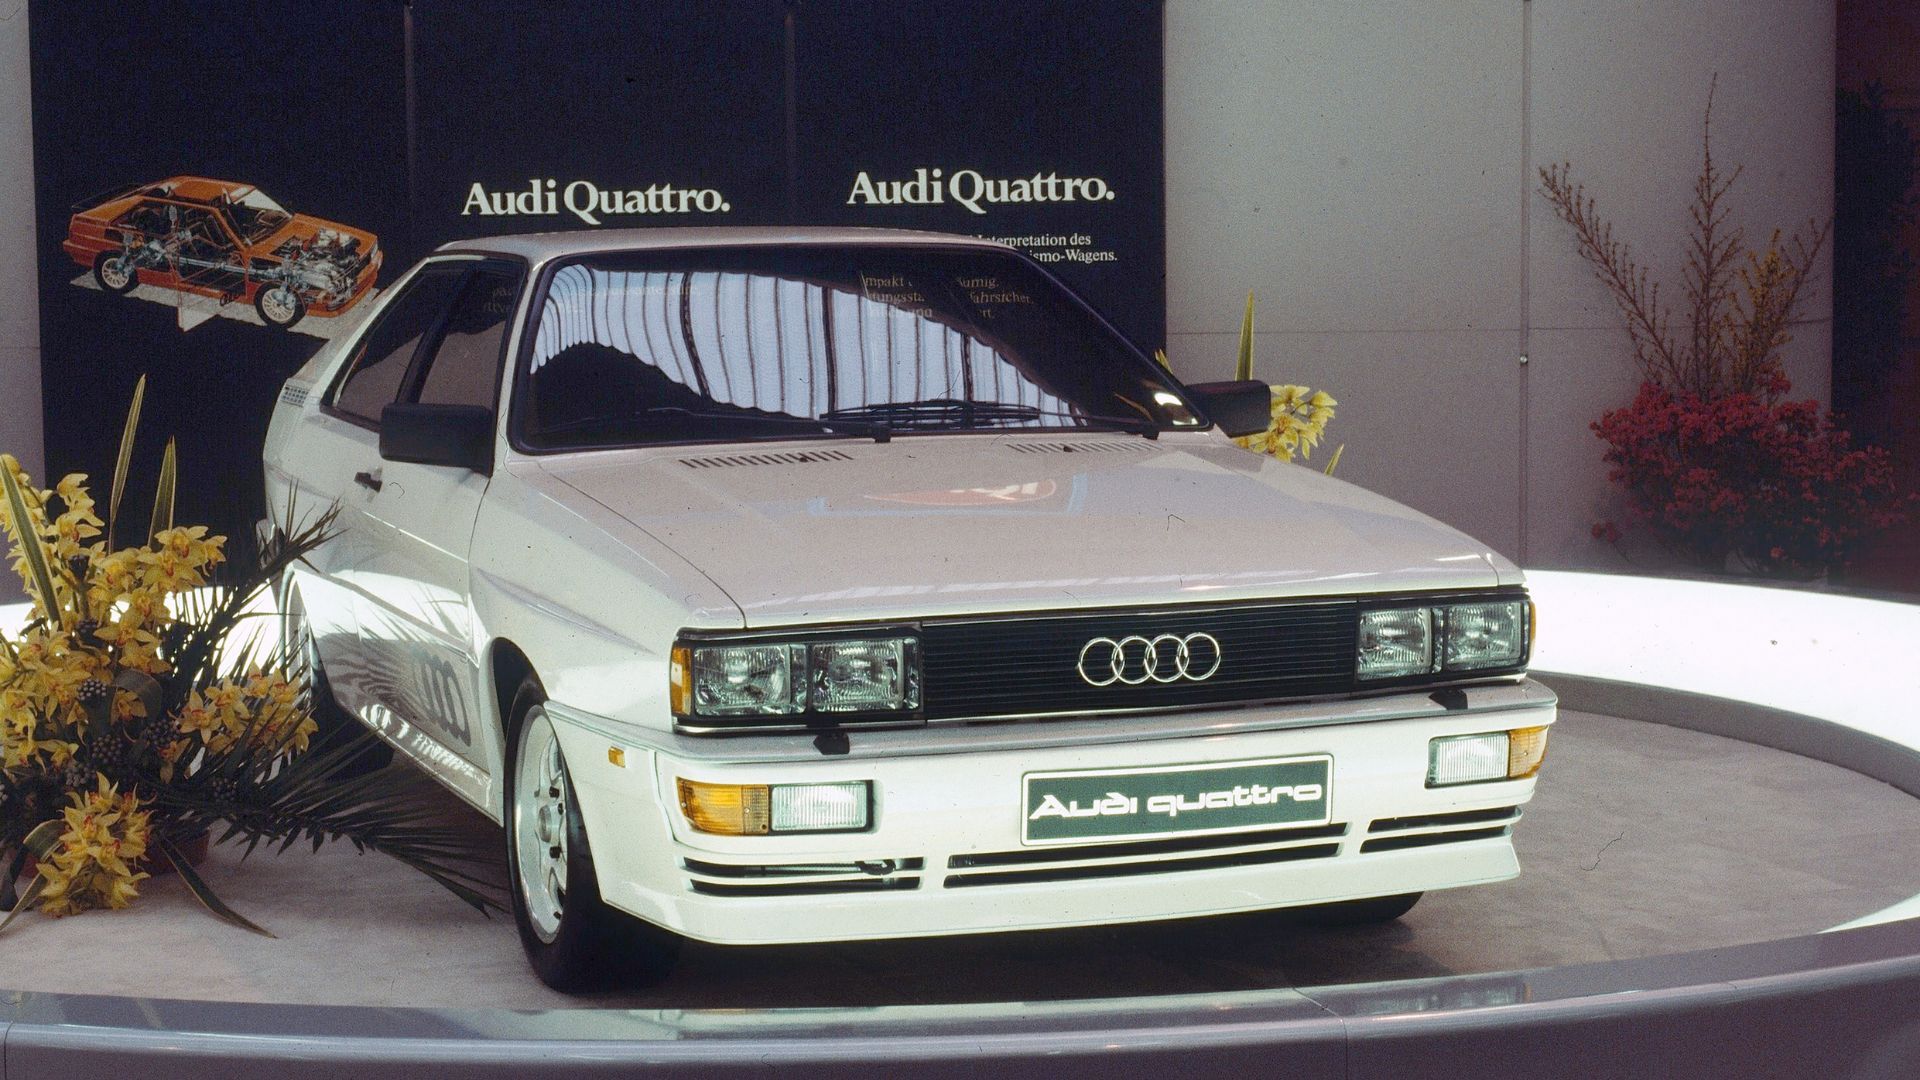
column 1083, row 862
column 1097, row 861
column 1431, row 829
column 1011, row 665
column 802, row 879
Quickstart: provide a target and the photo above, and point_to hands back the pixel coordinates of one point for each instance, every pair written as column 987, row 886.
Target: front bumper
column 944, row 854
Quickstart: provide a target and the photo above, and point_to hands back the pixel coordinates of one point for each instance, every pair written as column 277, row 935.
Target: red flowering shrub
column 1774, row 483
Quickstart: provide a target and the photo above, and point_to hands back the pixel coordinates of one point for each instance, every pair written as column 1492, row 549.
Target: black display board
column 303, row 101
column 397, row 127
column 1038, row 125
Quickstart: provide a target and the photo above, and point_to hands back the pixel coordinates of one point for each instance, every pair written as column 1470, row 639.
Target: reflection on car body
column 794, row 588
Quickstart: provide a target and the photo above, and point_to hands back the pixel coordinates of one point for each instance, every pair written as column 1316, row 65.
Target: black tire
column 110, row 266
column 284, row 309
column 1374, row 909
column 593, row 946
column 334, row 724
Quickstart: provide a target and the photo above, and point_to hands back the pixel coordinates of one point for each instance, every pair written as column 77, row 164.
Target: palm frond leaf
column 305, row 798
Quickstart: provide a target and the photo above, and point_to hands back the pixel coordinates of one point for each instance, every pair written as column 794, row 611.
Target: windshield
column 721, row 345
column 255, row 216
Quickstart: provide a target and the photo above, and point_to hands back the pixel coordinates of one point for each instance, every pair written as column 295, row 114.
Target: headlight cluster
column 754, row 681
column 1403, row 641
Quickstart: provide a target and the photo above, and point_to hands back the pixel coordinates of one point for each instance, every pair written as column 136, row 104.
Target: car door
column 339, row 451
column 415, row 605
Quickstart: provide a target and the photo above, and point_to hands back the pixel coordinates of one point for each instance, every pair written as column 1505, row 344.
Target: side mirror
column 456, row 435
column 1240, row 407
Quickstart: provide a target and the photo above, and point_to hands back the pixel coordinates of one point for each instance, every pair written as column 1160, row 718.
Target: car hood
column 953, row 524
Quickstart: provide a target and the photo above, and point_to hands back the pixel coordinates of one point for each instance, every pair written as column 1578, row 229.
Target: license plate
column 1177, row 800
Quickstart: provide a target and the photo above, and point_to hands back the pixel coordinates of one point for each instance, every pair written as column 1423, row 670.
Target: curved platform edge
column 1707, row 1014
column 1889, row 762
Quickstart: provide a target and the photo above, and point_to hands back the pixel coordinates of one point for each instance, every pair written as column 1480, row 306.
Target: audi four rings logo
column 1134, row 659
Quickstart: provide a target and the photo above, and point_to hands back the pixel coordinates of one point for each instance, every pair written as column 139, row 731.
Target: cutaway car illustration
column 811, row 585
column 224, row 240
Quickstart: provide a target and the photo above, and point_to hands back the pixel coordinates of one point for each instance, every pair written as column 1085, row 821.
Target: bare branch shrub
column 1739, row 303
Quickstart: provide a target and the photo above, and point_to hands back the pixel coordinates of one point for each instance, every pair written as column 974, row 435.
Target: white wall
column 1369, row 171
column 19, row 291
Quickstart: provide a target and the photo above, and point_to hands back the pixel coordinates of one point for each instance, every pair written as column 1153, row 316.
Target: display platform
column 1646, row 840
column 1705, row 883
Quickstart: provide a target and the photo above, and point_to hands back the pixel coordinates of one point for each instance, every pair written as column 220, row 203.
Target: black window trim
column 473, row 260
column 536, row 296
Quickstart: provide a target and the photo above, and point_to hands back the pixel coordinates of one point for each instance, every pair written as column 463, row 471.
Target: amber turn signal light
column 680, row 681
column 727, row 809
column 1526, row 749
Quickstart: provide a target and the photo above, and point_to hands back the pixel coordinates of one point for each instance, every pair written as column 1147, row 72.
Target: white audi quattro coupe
column 810, row 585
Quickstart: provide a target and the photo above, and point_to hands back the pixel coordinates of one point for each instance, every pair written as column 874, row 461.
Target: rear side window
column 465, row 368
column 378, row 370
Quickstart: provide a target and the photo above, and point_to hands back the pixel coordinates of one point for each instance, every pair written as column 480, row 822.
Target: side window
column 383, row 355
column 465, row 368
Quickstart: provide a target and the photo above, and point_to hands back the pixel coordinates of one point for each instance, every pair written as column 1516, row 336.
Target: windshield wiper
column 876, row 431
column 958, row 413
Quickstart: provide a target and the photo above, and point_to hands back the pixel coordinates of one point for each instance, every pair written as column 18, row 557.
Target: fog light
column 725, row 809
column 1467, row 759
column 759, row 809
column 1528, row 749
column 820, row 807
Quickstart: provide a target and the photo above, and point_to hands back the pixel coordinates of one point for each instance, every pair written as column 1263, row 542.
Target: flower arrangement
column 1716, row 464
column 133, row 722
column 1773, row 483
column 1299, row 414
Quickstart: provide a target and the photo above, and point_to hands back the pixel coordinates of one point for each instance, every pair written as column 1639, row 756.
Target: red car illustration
column 224, row 240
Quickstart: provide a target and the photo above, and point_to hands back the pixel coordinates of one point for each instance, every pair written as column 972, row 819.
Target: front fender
column 591, row 602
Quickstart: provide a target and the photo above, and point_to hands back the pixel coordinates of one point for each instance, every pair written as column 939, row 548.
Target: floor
column 1643, row 839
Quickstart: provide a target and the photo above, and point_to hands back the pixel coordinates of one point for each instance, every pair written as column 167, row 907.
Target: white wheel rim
column 114, row 272
column 540, row 813
column 278, row 305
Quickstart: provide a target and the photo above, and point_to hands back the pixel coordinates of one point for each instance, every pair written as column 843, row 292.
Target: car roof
column 196, row 188
column 539, row 247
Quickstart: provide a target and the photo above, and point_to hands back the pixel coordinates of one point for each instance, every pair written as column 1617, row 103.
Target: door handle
column 369, row 480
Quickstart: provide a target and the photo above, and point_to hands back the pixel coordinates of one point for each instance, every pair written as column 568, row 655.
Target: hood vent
column 1074, row 447
column 294, row 395
column 787, row 457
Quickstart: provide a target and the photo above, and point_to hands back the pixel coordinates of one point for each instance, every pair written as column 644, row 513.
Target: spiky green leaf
column 163, row 495
column 124, row 462
column 33, row 548
column 26, row 900
column 1243, row 367
column 44, row 835
column 1335, row 462
column 204, row 893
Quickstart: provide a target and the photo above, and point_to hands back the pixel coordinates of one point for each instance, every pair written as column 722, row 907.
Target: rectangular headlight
column 1395, row 642
column 784, row 679
column 1485, row 635
column 747, row 680
column 877, row 675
